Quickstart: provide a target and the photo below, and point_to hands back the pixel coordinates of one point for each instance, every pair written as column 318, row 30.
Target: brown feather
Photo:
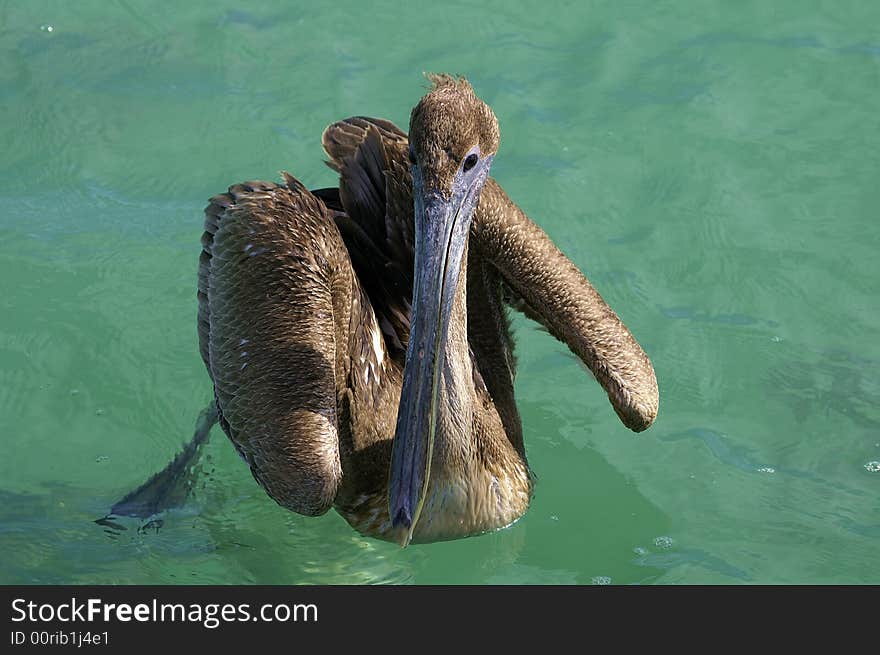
column 257, row 282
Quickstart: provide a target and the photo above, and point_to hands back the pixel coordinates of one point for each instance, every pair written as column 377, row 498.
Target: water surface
column 713, row 167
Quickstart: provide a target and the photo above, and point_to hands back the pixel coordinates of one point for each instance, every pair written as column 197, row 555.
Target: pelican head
column 452, row 140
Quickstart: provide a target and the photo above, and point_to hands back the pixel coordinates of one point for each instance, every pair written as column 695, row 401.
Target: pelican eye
column 469, row 162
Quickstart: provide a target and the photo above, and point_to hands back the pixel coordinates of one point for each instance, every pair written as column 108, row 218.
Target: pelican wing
column 375, row 191
column 548, row 287
column 271, row 257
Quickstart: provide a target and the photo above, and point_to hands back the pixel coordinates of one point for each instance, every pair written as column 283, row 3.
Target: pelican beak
column 442, row 224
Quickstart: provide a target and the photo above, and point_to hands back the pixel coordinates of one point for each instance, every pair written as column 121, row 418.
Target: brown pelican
column 358, row 340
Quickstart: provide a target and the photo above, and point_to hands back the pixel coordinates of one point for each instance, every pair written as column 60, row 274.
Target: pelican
column 358, row 338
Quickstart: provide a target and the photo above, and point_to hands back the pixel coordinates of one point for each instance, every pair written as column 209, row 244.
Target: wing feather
column 375, row 190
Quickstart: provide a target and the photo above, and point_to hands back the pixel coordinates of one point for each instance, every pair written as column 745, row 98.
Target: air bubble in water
column 663, row 542
column 873, row 467
column 47, row 28
column 601, row 580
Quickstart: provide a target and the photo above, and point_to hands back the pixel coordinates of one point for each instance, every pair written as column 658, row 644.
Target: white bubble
column 601, row 580
column 766, row 469
column 873, row 466
column 638, row 550
column 663, row 542
column 47, row 28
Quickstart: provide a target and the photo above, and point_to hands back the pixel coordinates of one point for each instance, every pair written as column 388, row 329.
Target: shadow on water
column 591, row 524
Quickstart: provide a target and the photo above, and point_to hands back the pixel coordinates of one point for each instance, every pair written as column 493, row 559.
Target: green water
column 713, row 167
